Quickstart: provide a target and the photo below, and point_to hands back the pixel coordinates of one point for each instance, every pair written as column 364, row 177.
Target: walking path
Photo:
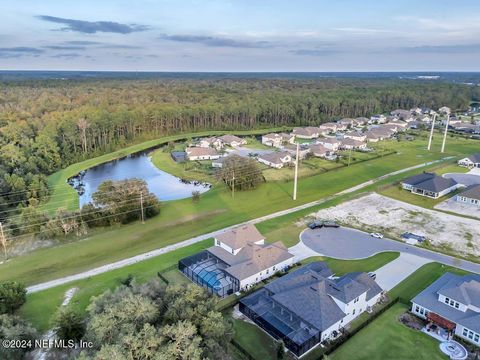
column 169, row 248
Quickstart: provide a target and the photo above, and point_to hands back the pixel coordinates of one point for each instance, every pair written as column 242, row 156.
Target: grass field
column 41, row 306
column 216, row 209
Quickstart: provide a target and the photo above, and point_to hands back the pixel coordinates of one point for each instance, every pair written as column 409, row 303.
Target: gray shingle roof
column 471, row 192
column 436, row 184
column 475, row 157
column 416, row 179
column 428, row 299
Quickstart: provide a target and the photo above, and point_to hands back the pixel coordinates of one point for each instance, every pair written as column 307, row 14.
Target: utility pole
column 4, row 241
column 233, row 184
column 349, row 156
column 141, row 206
column 295, row 181
column 431, row 132
column 445, row 133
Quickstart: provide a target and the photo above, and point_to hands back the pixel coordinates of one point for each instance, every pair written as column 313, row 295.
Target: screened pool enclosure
column 209, row 271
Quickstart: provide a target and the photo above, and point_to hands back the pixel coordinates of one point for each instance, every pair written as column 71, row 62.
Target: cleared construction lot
column 378, row 213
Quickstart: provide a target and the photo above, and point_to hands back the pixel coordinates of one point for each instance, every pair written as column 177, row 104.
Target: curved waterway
column 164, row 185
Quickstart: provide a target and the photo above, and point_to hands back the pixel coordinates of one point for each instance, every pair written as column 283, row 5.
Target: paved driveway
column 393, row 273
column 345, row 243
column 464, row 179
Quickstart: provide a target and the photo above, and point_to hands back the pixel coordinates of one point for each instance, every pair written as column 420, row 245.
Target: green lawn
column 183, row 219
column 254, row 340
column 395, row 192
column 40, row 306
column 387, row 338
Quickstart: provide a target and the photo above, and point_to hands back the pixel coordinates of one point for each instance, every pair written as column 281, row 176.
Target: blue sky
column 234, row 35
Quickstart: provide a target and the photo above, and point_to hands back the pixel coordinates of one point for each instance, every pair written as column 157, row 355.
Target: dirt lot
column 375, row 212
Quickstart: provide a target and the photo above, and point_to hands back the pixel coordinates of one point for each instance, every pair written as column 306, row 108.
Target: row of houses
column 303, row 307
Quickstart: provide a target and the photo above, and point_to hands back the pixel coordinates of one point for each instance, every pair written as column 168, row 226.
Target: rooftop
column 238, row 237
column 471, row 192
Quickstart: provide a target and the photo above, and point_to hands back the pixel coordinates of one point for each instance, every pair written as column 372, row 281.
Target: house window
column 457, row 305
column 417, row 309
column 353, row 313
column 476, row 338
column 218, row 242
column 447, row 300
column 465, row 332
column 470, row 335
column 452, row 302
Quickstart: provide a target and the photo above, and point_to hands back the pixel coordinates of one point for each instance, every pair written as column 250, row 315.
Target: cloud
column 215, row 41
column 444, row 49
column 82, row 42
column 66, row 56
column 65, row 47
column 314, row 52
column 92, row 27
column 363, row 31
column 19, row 51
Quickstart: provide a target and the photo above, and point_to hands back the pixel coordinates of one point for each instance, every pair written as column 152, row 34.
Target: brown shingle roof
column 201, row 151
column 240, row 236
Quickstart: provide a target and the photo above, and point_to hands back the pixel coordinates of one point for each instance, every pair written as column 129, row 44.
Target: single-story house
column 379, row 118
column 232, row 140
column 308, row 306
column 453, row 303
column 214, row 142
column 179, row 156
column 361, row 121
column 429, row 185
column 238, row 260
column 277, row 140
column 319, row 150
column 275, row 159
column 401, row 114
column 347, row 121
column 201, row 153
column 424, row 118
column 327, row 128
column 470, row 161
column 309, row 132
column 348, row 144
column 355, row 135
column 330, row 143
column 303, row 151
column 471, row 195
column 218, row 163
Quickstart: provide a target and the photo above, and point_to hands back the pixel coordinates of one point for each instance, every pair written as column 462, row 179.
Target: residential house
column 416, row 110
column 444, row 110
column 470, row 161
column 470, row 196
column 341, row 126
column 214, row 142
column 362, row 121
column 401, row 125
column 330, row 143
column 401, row 114
column 356, row 135
column 349, row 144
column 379, row 118
column 277, row 140
column 348, row 122
column 309, row 132
column 303, row 150
column 319, row 150
column 238, row 260
column 232, row 140
column 424, row 118
column 452, row 302
column 429, row 185
column 308, row 306
column 327, row 128
column 201, row 153
column 276, row 160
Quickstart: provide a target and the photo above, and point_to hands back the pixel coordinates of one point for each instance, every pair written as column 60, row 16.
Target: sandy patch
column 393, row 217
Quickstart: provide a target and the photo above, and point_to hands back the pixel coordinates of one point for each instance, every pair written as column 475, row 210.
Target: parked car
column 317, row 224
column 377, row 235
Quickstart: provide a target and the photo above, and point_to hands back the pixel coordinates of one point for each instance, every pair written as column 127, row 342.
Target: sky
column 240, row 35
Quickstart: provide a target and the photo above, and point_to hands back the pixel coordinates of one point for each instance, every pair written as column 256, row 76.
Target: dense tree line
column 47, row 125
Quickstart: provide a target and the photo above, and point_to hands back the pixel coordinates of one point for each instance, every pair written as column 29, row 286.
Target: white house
column 277, row 140
column 309, row 132
column 319, row 150
column 201, row 153
column 356, row 135
column 470, row 161
column 349, row 143
column 232, row 140
column 310, row 301
column 453, row 303
column 470, row 196
column 379, row 118
column 330, row 143
column 275, row 159
column 211, row 142
column 303, row 150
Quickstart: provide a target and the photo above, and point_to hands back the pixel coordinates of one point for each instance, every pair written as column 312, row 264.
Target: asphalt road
column 141, row 257
column 346, row 243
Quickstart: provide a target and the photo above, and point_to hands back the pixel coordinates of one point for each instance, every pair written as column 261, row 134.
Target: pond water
column 164, row 185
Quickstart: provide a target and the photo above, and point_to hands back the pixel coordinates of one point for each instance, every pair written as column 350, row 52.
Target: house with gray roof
column 310, row 305
column 238, row 259
column 275, row 159
column 470, row 196
column 429, row 185
column 453, row 303
column 470, row 161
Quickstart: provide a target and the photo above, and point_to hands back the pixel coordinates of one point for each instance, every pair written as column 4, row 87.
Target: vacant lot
column 393, row 217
